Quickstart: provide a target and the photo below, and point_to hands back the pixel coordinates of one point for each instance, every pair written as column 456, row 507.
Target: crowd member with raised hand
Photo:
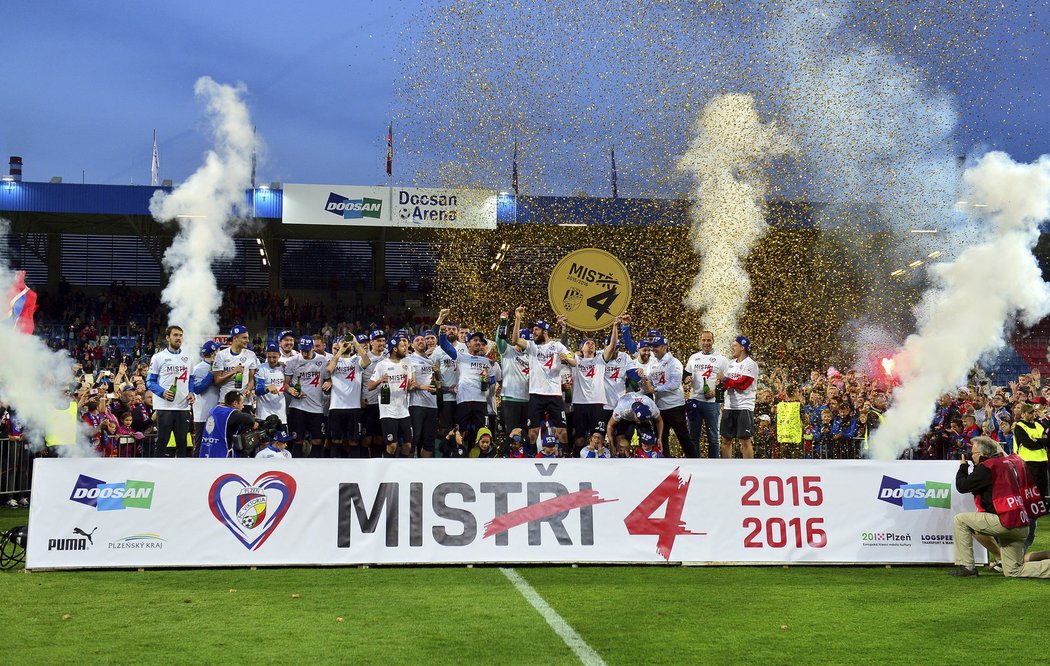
column 305, row 378
column 393, row 380
column 616, row 368
column 169, row 380
column 474, row 372
column 202, row 385
column 702, row 373
column 269, row 387
column 445, row 366
column 546, row 404
column 422, row 400
column 588, row 387
column 740, row 390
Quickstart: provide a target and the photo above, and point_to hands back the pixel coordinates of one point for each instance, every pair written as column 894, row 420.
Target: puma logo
column 77, row 530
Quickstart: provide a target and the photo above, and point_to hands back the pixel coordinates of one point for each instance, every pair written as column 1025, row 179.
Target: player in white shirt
column 392, row 378
column 326, row 395
column 588, row 387
column 546, row 404
column 234, row 367
column 370, row 426
column 473, row 378
column 705, row 366
column 286, row 342
column 447, row 379
column 422, row 400
column 269, row 387
column 616, row 369
column 632, row 411
column 305, row 378
column 346, row 370
column 738, row 418
column 514, row 394
column 202, row 385
column 169, row 368
column 665, row 378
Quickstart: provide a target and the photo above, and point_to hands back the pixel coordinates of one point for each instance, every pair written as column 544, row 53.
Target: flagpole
column 390, row 170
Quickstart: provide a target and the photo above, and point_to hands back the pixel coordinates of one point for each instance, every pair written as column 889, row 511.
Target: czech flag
column 21, row 304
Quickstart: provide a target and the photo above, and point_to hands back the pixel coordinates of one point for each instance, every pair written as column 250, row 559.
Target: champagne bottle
column 238, row 381
column 501, row 331
column 298, row 389
column 720, row 393
column 484, row 381
column 384, row 394
column 707, row 388
column 566, row 392
column 174, row 388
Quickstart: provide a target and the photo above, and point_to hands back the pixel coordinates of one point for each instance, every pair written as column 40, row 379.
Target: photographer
column 997, row 482
column 224, row 422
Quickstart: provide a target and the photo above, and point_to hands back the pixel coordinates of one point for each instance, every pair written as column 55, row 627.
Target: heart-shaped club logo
column 255, row 515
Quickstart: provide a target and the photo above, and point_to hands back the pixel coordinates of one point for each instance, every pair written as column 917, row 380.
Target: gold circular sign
column 590, row 287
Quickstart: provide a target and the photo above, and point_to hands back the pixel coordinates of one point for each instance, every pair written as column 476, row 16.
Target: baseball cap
column 744, row 342
column 658, row 340
column 641, row 411
column 764, row 417
column 585, row 341
column 286, row 334
column 646, row 437
column 478, row 335
column 237, row 330
column 362, row 337
column 272, row 348
column 376, row 334
column 653, row 332
column 283, row 436
column 542, row 324
column 525, row 335
column 428, row 333
column 548, row 440
column 306, row 342
column 209, row 348
column 645, row 342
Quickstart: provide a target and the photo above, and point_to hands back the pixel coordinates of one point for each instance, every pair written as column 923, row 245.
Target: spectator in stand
column 128, row 438
column 765, row 439
column 822, row 441
column 843, row 430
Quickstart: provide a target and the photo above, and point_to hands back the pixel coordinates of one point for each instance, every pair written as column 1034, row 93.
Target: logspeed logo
column 353, row 209
column 915, row 496
column 130, row 494
column 936, row 539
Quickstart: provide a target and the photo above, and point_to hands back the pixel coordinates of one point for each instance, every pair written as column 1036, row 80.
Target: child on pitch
column 548, row 446
column 514, row 444
column 483, row 447
column 595, row 446
column 647, row 445
column 278, row 447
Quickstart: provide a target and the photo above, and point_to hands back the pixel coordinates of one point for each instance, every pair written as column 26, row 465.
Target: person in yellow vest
column 1030, row 444
column 789, row 424
column 61, row 436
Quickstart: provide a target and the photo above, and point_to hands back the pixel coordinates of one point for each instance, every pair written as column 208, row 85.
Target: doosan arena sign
column 355, row 205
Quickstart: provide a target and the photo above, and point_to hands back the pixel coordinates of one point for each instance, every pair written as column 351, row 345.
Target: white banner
column 191, row 512
column 351, row 205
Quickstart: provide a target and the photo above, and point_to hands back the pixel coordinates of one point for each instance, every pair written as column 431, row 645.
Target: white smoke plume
column 33, row 380
column 1000, row 275
column 726, row 155
column 206, row 207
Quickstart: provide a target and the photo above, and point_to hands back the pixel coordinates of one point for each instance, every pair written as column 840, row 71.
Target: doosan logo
column 130, row 494
column 353, row 209
column 915, row 496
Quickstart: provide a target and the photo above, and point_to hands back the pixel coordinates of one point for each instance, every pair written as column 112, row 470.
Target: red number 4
column 671, row 490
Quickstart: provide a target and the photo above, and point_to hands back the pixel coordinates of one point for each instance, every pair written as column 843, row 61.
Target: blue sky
column 85, row 84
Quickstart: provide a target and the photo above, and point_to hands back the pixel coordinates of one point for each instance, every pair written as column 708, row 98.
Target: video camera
column 249, row 441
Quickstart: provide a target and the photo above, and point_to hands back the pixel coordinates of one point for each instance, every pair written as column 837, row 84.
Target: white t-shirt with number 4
column 588, row 380
column 398, row 374
column 701, row 366
column 545, row 367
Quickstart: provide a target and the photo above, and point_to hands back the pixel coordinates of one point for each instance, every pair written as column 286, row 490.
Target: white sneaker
column 24, row 503
column 11, row 503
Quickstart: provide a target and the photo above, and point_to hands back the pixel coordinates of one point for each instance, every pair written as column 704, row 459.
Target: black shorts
column 542, row 407
column 471, row 415
column 370, row 421
column 424, row 426
column 344, row 424
column 586, row 418
column 447, row 412
column 397, row 431
column 737, row 424
column 515, row 414
column 305, row 425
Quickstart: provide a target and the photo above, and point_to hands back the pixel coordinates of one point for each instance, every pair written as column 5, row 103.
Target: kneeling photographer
column 221, row 437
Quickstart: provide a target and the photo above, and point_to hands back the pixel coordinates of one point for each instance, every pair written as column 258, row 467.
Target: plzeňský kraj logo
column 914, row 496
column 251, row 511
column 353, row 209
column 138, row 542
column 130, row 494
column 81, row 540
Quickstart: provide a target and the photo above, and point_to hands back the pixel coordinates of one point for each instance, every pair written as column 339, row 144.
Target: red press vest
column 1014, row 497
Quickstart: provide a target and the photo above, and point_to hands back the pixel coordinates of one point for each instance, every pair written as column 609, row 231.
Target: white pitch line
column 584, row 652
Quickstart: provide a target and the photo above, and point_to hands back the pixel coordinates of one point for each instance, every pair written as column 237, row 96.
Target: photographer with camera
column 1006, row 503
column 225, row 421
